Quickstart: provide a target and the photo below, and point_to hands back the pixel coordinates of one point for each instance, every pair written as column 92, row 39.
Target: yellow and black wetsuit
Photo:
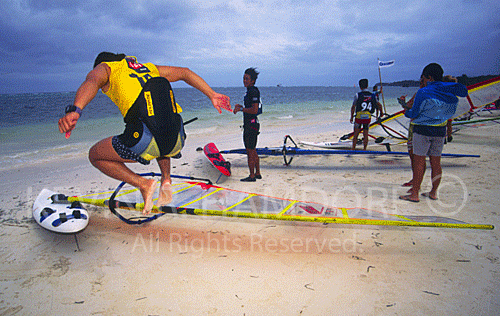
column 146, row 100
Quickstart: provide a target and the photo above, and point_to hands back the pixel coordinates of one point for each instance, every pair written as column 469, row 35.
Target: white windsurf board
column 59, row 217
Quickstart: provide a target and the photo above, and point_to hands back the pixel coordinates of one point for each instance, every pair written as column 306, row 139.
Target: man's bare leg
column 165, row 196
column 418, row 175
column 257, row 167
column 355, row 138
column 104, row 157
column 253, row 161
column 436, row 174
column 410, row 183
column 365, row 139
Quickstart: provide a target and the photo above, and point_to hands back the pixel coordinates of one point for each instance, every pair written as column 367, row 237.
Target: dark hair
column 106, row 56
column 433, row 70
column 363, row 83
column 252, row 73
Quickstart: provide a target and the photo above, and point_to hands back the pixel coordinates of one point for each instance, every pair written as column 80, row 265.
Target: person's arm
column 380, row 111
column 253, row 110
column 414, row 109
column 253, row 94
column 174, row 74
column 95, row 80
column 353, row 108
column 409, row 104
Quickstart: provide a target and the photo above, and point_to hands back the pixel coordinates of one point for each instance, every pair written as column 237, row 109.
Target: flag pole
column 381, row 90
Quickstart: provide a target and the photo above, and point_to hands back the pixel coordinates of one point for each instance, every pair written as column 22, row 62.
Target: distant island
column 463, row 79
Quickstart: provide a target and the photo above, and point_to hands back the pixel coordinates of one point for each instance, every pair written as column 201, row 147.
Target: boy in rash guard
column 433, row 106
column 364, row 105
column 251, row 126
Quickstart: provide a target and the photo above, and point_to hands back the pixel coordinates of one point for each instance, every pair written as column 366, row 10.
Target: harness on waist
column 155, row 107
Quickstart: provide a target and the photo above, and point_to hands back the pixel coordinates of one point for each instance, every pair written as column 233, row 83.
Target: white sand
column 180, row 265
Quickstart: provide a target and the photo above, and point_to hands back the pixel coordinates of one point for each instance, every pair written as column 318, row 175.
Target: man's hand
column 221, row 101
column 237, row 108
column 68, row 122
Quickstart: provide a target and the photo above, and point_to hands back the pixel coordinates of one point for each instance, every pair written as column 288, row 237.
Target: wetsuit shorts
column 250, row 133
column 146, row 148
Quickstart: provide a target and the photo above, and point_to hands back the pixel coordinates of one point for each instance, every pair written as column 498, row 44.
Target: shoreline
column 255, row 267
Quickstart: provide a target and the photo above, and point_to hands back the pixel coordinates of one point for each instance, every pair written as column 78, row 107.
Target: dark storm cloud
column 51, row 45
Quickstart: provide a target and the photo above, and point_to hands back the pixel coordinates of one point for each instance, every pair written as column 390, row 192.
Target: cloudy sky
column 50, row 45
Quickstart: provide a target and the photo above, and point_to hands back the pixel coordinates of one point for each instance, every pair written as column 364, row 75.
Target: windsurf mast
column 292, row 151
column 382, row 64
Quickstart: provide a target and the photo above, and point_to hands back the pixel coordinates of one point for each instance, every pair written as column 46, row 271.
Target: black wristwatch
column 73, row 108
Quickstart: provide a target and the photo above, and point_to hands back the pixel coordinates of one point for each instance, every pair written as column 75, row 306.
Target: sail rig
column 393, row 129
column 205, row 199
column 288, row 152
column 388, row 130
column 480, row 95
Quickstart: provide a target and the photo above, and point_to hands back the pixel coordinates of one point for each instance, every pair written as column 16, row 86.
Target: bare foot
column 409, row 198
column 165, row 194
column 430, row 195
column 147, row 195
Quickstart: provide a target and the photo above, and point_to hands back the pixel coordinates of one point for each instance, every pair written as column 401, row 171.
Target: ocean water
column 29, row 132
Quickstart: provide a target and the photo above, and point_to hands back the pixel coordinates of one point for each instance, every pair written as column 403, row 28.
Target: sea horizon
column 29, row 132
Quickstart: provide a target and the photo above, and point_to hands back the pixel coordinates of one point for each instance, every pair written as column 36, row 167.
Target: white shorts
column 427, row 145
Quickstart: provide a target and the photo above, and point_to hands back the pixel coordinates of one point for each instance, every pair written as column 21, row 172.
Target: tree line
column 463, row 79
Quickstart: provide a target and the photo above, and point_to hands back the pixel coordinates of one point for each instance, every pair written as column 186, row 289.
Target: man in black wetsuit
column 251, row 126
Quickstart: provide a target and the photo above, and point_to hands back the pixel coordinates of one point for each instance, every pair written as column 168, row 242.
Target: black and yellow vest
column 144, row 97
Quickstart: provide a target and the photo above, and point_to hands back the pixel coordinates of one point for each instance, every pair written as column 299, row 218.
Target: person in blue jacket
column 433, row 106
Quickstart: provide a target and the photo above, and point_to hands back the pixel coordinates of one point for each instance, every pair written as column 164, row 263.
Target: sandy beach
column 179, row 265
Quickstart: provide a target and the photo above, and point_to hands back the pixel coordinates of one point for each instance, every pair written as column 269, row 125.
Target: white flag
column 383, row 64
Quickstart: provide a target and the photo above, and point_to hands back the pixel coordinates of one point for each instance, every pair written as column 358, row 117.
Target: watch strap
column 73, row 108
